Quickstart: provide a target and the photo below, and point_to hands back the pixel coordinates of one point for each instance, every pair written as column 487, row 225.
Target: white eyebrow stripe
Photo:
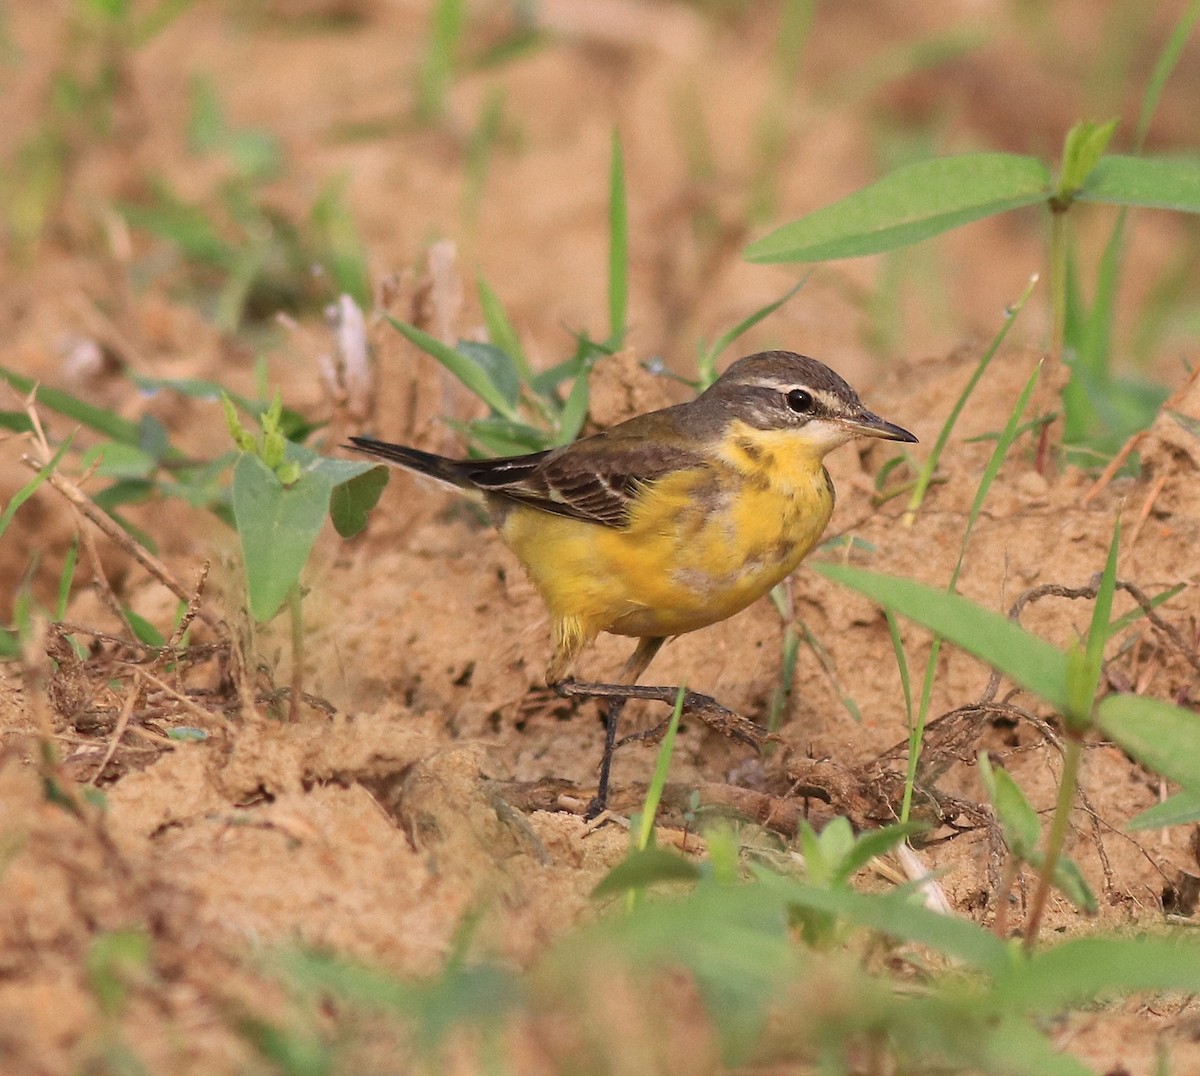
column 830, row 399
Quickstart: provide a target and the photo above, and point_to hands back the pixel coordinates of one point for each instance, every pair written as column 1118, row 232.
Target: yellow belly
column 700, row 546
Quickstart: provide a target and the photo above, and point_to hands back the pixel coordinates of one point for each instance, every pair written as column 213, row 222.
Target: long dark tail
column 455, row 472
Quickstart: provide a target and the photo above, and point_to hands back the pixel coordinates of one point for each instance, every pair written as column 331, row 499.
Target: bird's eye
column 800, row 401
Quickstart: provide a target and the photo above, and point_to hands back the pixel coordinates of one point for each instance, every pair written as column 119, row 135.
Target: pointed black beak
column 868, row 424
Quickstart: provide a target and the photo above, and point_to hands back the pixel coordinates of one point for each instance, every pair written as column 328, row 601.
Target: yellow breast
column 700, row 546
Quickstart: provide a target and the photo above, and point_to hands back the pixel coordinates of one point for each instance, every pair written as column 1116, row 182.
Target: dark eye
column 800, row 401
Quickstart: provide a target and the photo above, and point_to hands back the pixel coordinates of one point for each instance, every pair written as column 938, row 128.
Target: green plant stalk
column 658, row 781
column 618, row 246
column 1057, row 836
column 925, row 476
column 645, row 829
column 1058, row 281
column 917, row 729
column 437, row 71
column 297, row 626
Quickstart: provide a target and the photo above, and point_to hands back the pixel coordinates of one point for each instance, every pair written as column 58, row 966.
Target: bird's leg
column 616, row 694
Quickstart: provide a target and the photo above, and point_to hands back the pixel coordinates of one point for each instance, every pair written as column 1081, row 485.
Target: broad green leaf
column 1022, row 830
column 353, row 500
column 1152, row 182
column 1031, row 662
column 1176, row 810
column 911, row 204
column 466, row 369
column 1163, row 737
column 645, row 867
column 277, row 526
column 1090, row 968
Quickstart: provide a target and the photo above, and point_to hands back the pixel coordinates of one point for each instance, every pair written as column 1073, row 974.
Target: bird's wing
column 596, row 479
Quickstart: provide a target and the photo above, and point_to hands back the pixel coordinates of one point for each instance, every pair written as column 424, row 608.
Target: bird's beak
column 868, row 424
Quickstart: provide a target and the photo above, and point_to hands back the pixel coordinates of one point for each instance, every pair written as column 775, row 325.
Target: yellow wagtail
column 672, row 520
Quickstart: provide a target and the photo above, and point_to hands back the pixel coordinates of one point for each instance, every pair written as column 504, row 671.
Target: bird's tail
column 451, row 472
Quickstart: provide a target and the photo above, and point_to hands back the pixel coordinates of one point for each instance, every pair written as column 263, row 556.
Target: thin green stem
column 1058, row 281
column 297, row 625
column 1057, row 837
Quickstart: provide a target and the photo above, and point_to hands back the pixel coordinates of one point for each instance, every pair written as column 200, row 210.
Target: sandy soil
column 446, row 782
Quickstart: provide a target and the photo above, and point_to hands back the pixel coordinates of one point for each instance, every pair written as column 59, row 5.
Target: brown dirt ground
column 374, row 831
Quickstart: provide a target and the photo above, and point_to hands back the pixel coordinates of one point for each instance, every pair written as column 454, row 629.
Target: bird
column 670, row 521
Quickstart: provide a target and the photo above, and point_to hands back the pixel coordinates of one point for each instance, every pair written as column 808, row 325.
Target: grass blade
column 925, row 476
column 467, row 370
column 618, row 246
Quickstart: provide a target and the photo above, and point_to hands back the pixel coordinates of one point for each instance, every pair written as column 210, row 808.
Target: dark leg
column 634, row 667
column 704, row 707
column 612, row 716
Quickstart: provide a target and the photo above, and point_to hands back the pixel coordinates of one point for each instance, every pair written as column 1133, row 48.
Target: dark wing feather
column 595, row 479
column 592, row 480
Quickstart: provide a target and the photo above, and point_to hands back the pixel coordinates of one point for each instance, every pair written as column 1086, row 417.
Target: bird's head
column 798, row 398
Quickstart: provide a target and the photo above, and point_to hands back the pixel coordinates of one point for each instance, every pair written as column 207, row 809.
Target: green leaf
column 466, row 369
column 707, row 362
column 144, row 630
column 574, row 412
column 277, row 527
column 1088, row 968
column 500, row 329
column 1100, row 629
column 498, row 365
column 105, row 422
column 352, row 501
column 1167, row 59
column 1177, row 810
column 876, row 842
column 113, row 959
column 1069, row 881
column 1031, row 662
column 117, row 460
column 911, row 204
column 1022, row 829
column 899, row 915
column 1187, row 422
column 1163, row 737
column 501, row 437
column 618, row 245
column 1085, row 144
column 645, row 867
column 187, row 734
column 1151, row 182
column 30, row 487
